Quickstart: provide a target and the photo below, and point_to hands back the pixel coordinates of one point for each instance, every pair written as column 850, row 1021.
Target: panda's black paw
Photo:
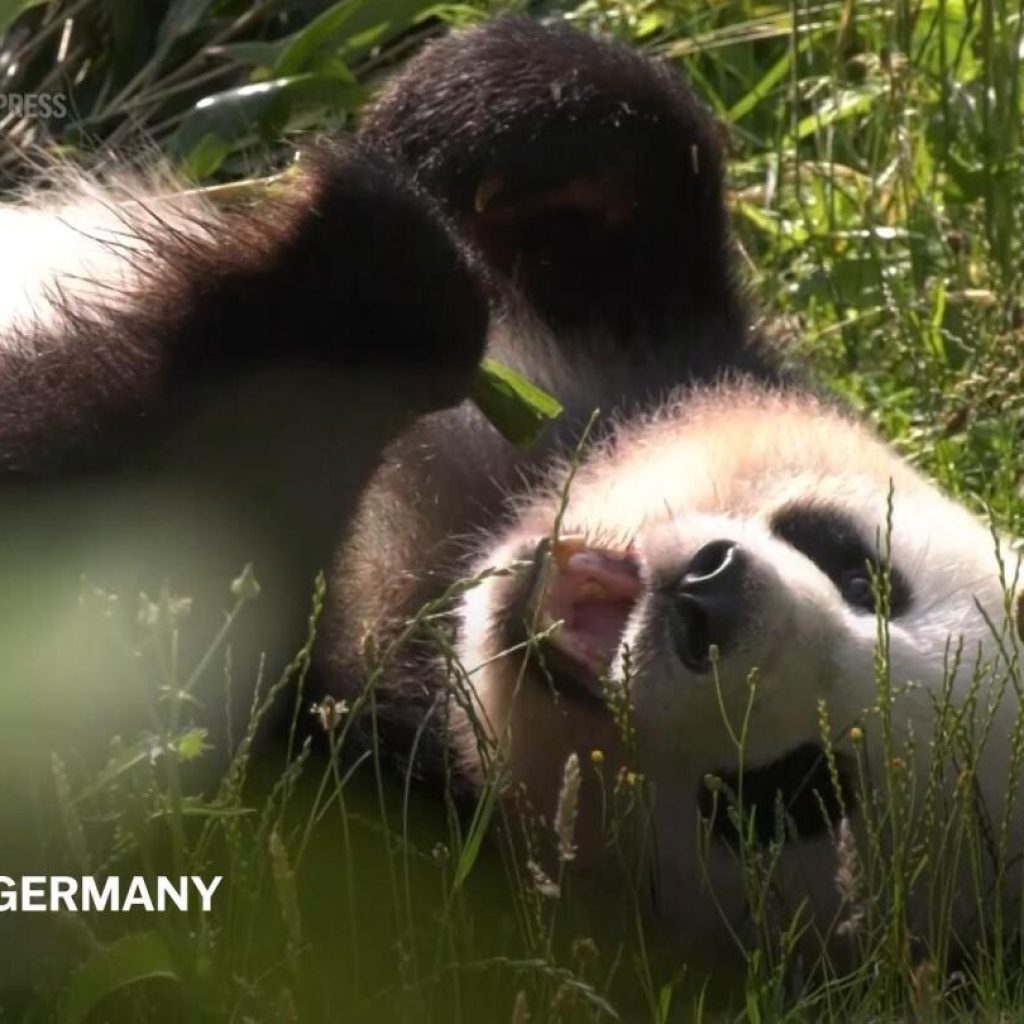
column 587, row 176
column 411, row 300
column 352, row 268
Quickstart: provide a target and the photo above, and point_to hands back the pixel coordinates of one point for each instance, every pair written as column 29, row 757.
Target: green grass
column 876, row 183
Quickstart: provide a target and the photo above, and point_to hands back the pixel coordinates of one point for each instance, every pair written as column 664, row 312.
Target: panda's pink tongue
column 592, row 591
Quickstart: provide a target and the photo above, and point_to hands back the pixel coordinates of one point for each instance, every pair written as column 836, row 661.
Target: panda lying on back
column 299, row 371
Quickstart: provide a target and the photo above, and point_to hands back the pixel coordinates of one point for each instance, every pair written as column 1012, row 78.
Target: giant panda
column 289, row 380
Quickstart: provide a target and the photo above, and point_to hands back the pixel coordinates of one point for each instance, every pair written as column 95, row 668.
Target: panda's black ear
column 588, row 175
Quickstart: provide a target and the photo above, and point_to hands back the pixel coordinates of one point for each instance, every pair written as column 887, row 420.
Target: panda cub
column 719, row 525
column 289, row 381
column 723, row 525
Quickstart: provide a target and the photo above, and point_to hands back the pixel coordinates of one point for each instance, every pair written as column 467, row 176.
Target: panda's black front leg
column 356, row 270
column 349, row 278
column 224, row 392
column 207, row 389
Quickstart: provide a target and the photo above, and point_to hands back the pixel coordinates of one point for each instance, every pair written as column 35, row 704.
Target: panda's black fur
column 533, row 112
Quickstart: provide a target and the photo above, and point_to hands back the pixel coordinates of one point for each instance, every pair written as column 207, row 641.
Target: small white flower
column 330, row 712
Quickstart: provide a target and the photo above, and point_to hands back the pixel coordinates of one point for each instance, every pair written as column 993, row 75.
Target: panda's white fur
column 87, row 243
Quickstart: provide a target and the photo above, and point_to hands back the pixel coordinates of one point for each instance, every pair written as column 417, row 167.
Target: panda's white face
column 753, row 524
column 788, row 591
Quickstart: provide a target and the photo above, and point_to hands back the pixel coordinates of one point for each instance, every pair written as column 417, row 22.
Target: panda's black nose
column 708, row 602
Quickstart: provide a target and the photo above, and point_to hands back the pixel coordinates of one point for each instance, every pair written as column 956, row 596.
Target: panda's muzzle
column 579, row 593
column 709, row 602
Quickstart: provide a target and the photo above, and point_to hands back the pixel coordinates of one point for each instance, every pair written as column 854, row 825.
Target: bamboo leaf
column 240, row 114
column 322, row 34
column 845, row 104
column 519, row 409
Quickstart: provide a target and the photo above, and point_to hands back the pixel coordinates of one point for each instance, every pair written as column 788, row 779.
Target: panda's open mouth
column 793, row 797
column 584, row 597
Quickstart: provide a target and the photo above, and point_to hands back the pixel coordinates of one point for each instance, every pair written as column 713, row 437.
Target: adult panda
column 287, row 380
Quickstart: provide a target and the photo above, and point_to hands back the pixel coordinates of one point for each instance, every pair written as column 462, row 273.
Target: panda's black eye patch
column 833, row 542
